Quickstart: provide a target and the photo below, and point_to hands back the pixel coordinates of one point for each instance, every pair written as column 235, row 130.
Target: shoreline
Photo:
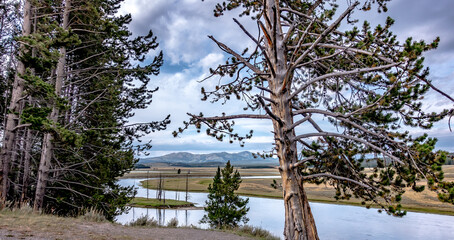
column 408, row 208
column 158, row 204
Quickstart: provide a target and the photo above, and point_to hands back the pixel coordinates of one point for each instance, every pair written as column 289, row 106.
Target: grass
column 426, row 201
column 24, row 223
column 93, row 215
column 155, row 203
column 255, row 232
column 173, row 223
column 144, row 221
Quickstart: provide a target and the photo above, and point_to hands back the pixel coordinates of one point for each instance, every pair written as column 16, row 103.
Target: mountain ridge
column 244, row 158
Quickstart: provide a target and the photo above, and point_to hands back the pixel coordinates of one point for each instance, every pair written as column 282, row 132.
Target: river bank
column 334, row 221
column 253, row 185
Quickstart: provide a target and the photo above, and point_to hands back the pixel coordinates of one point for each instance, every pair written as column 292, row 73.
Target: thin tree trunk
column 20, row 165
column 13, row 112
column 47, row 148
column 27, row 157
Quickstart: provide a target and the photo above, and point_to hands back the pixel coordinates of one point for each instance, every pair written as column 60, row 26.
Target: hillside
column 185, row 159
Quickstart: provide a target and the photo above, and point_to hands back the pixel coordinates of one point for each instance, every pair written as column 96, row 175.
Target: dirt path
column 39, row 227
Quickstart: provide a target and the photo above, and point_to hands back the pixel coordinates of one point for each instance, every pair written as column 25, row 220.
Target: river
column 333, row 221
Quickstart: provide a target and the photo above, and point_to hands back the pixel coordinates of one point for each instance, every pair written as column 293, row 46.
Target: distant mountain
column 185, row 159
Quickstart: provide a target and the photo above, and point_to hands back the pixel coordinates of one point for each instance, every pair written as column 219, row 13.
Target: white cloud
column 211, row 61
column 182, row 27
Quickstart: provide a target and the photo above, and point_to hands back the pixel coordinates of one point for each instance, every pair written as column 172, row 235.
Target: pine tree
column 80, row 76
column 334, row 98
column 224, row 208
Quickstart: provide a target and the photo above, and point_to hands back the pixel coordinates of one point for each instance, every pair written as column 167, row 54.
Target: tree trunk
column 13, row 112
column 299, row 222
column 27, row 157
column 20, row 164
column 47, row 148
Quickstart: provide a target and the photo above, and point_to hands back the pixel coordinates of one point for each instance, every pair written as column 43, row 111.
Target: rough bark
column 47, row 148
column 299, row 222
column 13, row 112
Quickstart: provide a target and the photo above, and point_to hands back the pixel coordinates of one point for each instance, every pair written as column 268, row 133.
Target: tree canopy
column 335, row 99
column 79, row 76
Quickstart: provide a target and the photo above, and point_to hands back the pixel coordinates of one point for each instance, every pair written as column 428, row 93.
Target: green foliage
column 106, row 79
column 36, row 116
column 98, row 145
column 362, row 82
column 224, row 208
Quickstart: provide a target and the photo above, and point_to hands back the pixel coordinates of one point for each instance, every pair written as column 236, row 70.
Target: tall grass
column 93, row 215
column 173, row 223
column 144, row 221
column 23, row 209
column 256, row 232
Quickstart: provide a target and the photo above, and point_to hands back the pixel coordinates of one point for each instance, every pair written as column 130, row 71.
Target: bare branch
column 265, row 89
column 301, row 162
column 248, row 34
column 324, row 34
column 331, row 134
column 299, row 122
column 339, row 74
column 328, row 175
column 269, row 112
column 241, row 59
column 229, row 117
column 21, row 126
column 86, row 107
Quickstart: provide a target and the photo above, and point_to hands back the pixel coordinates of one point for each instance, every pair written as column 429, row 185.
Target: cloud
column 182, row 27
column 211, row 60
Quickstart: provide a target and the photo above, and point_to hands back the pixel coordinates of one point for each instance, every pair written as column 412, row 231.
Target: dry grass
column 23, row 224
column 144, row 221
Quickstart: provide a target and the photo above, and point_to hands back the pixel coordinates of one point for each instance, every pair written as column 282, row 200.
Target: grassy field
column 425, row 201
column 155, row 203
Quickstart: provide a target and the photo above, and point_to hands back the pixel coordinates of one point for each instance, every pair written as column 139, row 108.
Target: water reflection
column 333, row 221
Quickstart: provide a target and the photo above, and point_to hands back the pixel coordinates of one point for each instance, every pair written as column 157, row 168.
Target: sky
column 182, row 27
